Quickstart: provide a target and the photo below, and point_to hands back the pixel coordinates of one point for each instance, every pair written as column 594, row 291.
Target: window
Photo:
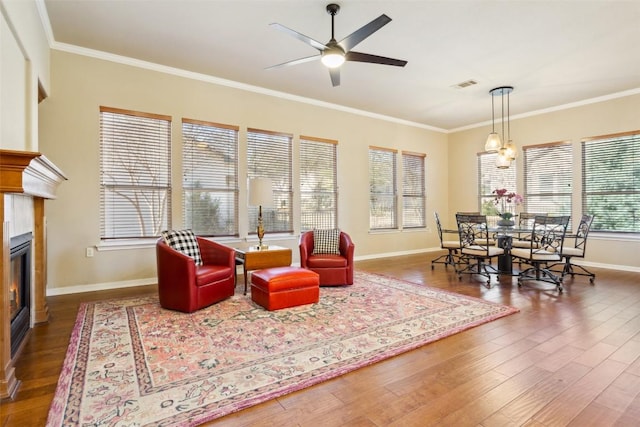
column 210, row 178
column 490, row 178
column 547, row 178
column 611, row 182
column 135, row 174
column 318, row 183
column 413, row 190
column 382, row 188
column 269, row 156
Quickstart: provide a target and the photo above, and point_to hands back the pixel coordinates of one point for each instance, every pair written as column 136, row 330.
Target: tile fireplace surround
column 27, row 179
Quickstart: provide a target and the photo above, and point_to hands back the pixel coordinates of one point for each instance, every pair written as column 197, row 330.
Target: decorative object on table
column 187, row 285
column 335, row 269
column 547, row 240
column 130, row 362
column 506, row 151
column 507, row 202
column 260, row 194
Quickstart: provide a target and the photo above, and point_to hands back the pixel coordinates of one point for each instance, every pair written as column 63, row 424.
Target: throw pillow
column 326, row 241
column 184, row 241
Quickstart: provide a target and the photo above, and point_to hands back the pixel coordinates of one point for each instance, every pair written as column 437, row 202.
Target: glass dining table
column 503, row 235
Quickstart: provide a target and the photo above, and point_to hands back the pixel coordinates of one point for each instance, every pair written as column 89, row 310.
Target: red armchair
column 183, row 286
column 334, row 270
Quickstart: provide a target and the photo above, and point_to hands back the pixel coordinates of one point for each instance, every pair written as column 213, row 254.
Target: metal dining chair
column 475, row 245
column 452, row 246
column 577, row 250
column 525, row 221
column 545, row 248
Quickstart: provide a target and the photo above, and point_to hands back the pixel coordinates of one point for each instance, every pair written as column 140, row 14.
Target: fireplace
column 27, row 179
column 20, row 289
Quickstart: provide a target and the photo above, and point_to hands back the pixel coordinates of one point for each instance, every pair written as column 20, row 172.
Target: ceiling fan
column 334, row 54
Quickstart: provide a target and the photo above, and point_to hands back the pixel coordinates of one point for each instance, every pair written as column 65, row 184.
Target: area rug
column 131, row 362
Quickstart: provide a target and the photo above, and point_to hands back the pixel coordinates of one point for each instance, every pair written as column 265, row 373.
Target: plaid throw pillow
column 326, row 241
column 183, row 241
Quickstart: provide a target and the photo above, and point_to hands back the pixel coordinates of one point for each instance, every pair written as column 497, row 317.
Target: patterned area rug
column 130, row 362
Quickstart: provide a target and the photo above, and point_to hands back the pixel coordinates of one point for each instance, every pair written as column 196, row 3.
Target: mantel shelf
column 29, row 173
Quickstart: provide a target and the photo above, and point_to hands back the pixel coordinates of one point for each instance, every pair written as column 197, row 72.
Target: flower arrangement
column 503, row 198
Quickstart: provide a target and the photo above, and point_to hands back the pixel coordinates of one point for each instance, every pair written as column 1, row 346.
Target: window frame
column 549, row 201
column 390, row 214
column 414, row 190
column 486, row 204
column 141, row 133
column 214, row 149
column 282, row 211
column 325, row 150
column 612, row 175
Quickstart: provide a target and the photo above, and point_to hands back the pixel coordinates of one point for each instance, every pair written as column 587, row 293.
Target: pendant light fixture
column 495, row 143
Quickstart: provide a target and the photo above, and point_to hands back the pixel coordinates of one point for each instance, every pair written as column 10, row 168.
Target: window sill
column 116, row 245
column 619, row 237
column 146, row 243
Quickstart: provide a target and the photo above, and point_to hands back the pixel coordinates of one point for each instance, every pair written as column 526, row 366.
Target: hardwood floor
column 564, row 360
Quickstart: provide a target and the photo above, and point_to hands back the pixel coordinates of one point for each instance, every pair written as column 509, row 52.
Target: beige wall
column 603, row 118
column 24, row 65
column 69, row 136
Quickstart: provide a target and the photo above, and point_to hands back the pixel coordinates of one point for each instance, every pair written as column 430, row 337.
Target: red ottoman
column 283, row 287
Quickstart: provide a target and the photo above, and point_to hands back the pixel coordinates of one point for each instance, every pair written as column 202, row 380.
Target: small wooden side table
column 255, row 258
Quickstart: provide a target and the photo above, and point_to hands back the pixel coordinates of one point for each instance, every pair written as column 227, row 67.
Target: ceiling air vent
column 465, row 84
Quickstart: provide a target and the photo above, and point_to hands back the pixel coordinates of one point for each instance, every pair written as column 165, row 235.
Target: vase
column 505, row 222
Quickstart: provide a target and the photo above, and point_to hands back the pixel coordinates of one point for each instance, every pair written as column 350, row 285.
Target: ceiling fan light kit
column 333, row 57
column 334, row 54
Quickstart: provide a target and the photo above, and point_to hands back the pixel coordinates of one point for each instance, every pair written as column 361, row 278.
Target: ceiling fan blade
column 335, row 76
column 299, row 36
column 357, row 36
column 374, row 59
column 295, row 62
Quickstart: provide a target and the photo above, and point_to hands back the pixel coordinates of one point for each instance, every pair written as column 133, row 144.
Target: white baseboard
column 64, row 290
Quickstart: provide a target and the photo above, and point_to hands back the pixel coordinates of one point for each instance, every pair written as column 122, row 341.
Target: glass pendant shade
column 503, row 161
column 493, row 143
column 510, row 150
column 506, row 151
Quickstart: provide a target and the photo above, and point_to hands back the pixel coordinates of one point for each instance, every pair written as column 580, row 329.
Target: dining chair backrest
column 548, row 235
column 580, row 242
column 473, row 232
column 439, row 225
column 525, row 219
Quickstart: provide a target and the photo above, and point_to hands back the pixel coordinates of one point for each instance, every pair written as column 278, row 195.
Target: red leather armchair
column 183, row 286
column 334, row 270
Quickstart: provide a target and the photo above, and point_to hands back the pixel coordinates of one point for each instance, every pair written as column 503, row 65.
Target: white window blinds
column 269, row 155
column 413, row 190
column 611, row 182
column 135, row 174
column 548, row 170
column 210, row 178
column 318, row 183
column 491, row 178
column 382, row 189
